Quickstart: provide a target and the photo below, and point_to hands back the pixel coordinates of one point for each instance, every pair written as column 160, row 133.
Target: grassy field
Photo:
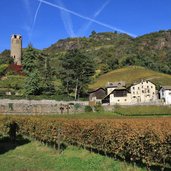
column 130, row 75
column 120, row 112
column 143, row 110
column 35, row 156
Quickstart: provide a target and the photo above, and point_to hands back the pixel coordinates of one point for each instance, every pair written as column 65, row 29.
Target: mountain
column 114, row 50
column 93, row 41
column 5, row 53
column 130, row 75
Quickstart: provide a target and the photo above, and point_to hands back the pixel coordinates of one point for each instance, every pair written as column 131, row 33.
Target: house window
column 118, row 100
column 133, row 92
column 138, row 88
column 151, row 86
column 147, row 86
column 133, row 88
column 142, row 86
column 125, row 99
column 142, row 91
column 148, row 91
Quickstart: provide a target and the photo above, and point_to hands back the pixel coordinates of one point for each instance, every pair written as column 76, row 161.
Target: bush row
column 146, row 141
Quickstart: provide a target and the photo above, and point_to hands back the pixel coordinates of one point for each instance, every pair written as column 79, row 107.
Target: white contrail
column 35, row 17
column 86, row 18
column 65, row 16
column 27, row 6
column 102, row 8
column 27, row 26
column 97, row 13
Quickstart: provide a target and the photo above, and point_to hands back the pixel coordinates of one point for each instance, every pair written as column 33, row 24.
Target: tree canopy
column 36, row 67
column 76, row 71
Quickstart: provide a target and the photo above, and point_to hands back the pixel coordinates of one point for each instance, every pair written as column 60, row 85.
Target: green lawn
column 35, row 156
column 120, row 112
column 143, row 110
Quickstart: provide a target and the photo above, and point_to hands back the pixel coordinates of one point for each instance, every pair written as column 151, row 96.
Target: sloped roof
column 166, row 87
column 96, row 90
column 115, row 84
column 136, row 83
column 119, row 88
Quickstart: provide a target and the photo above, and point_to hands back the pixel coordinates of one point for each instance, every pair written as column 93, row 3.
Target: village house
column 111, row 86
column 96, row 96
column 165, row 94
column 143, row 92
column 117, row 93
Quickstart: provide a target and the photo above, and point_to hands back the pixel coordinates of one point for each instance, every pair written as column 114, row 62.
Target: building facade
column 143, row 92
column 96, row 96
column 165, row 94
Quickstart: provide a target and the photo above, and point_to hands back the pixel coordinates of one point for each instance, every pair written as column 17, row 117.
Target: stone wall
column 41, row 107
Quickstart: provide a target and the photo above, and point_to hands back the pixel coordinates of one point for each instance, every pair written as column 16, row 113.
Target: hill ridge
column 130, row 75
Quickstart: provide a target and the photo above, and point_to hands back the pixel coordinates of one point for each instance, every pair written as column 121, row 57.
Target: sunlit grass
column 130, row 75
column 35, row 156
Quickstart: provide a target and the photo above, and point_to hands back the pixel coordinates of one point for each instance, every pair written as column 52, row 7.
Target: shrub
column 99, row 107
column 88, row 109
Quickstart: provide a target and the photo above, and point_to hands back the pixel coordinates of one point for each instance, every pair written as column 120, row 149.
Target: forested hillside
column 114, row 50
column 57, row 68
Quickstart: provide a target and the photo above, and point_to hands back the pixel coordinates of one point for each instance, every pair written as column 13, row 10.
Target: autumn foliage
column 16, row 69
column 146, row 141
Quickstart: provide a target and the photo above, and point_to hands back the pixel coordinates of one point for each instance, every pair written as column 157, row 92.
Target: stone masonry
column 40, row 107
column 16, row 48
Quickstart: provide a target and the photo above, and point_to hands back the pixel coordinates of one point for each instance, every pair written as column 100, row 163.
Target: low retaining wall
column 41, row 107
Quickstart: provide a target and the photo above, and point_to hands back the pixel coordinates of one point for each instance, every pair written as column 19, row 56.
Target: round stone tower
column 16, row 48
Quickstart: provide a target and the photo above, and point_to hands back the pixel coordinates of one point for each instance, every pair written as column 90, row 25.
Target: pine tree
column 76, row 71
column 33, row 83
column 29, row 59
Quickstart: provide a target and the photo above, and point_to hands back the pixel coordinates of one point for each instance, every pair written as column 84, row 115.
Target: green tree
column 76, row 71
column 29, row 59
column 47, row 74
column 34, row 84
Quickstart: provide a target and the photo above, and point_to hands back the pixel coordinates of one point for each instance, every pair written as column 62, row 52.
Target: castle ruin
column 16, row 48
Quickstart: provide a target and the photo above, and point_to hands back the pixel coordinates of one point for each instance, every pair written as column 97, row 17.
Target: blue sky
column 43, row 22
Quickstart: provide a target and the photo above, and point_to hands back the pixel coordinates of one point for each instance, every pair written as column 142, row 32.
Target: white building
column 113, row 85
column 165, row 94
column 143, row 92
